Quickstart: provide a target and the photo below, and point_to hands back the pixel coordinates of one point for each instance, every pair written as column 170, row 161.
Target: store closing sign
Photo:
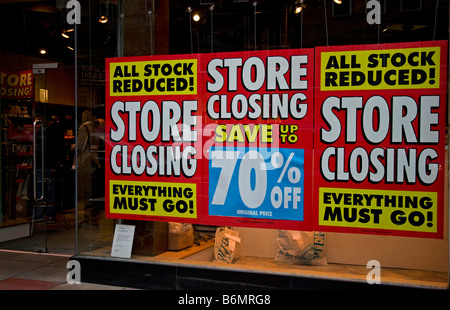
column 16, row 85
column 259, row 167
column 219, row 139
column 380, row 138
column 227, row 138
column 151, row 130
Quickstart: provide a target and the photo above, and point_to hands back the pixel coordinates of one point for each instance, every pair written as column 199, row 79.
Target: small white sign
column 123, row 241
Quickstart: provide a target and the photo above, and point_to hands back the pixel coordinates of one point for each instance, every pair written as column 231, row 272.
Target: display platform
column 195, row 268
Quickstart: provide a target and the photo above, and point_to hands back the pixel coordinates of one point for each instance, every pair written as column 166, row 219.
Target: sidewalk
column 36, row 271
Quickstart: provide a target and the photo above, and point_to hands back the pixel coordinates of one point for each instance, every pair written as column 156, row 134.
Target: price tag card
column 123, row 241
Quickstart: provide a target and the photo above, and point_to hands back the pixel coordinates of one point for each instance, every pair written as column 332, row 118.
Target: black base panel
column 154, row 276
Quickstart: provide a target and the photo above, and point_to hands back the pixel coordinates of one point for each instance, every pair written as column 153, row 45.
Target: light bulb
column 103, row 19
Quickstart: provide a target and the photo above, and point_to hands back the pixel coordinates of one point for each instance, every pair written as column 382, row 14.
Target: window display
column 252, row 144
column 244, row 158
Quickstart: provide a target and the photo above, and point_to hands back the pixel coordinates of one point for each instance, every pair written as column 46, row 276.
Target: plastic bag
column 226, row 244
column 301, row 247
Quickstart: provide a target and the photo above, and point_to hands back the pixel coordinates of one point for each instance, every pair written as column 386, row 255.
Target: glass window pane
column 349, row 93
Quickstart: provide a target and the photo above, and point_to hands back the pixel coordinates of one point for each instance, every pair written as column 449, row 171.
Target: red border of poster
column 233, row 103
column 380, row 138
column 132, row 191
column 345, row 138
column 277, row 86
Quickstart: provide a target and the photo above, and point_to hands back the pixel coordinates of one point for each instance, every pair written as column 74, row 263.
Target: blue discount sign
column 256, row 183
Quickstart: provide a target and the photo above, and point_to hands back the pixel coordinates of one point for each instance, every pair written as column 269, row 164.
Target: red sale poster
column 339, row 139
column 259, row 113
column 153, row 168
column 216, row 139
column 16, row 85
column 380, row 138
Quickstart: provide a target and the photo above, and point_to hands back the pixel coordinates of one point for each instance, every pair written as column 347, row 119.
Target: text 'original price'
column 256, row 183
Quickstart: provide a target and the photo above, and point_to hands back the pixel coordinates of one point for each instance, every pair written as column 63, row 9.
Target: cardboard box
column 179, row 241
column 150, row 238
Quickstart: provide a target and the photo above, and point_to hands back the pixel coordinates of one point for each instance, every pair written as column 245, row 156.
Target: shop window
column 165, row 98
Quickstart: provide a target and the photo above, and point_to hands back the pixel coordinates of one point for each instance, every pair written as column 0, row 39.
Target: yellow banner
column 378, row 209
column 410, row 68
column 153, row 198
column 161, row 77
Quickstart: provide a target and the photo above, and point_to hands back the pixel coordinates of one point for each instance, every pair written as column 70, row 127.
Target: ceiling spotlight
column 65, row 32
column 103, row 19
column 42, row 51
column 196, row 17
column 104, row 10
column 338, row 1
column 298, row 6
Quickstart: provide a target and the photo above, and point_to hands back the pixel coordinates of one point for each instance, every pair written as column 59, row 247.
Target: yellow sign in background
column 378, row 209
column 153, row 198
column 159, row 77
column 410, row 68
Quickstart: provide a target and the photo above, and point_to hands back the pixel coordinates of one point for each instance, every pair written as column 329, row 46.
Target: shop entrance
column 38, row 209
